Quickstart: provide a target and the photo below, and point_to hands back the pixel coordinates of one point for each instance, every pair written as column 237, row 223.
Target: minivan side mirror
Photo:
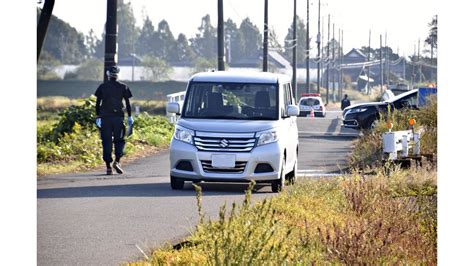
column 173, row 108
column 293, row 110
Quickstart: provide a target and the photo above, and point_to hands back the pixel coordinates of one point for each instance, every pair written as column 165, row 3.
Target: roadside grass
column 68, row 141
column 347, row 220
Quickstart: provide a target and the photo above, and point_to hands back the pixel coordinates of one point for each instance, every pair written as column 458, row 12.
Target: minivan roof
column 245, row 77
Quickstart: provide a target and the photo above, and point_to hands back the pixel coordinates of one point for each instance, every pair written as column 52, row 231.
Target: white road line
column 329, row 133
column 322, row 175
column 306, row 170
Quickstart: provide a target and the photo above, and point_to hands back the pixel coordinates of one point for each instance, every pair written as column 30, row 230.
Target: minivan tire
column 293, row 174
column 279, row 184
column 176, row 182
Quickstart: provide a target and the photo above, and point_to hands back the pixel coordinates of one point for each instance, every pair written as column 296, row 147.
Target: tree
column 273, row 43
column 63, row 42
column 144, row 44
column 91, row 69
column 164, row 44
column 204, row 65
column 236, row 39
column 91, row 43
column 205, row 42
column 252, row 39
column 184, row 52
column 301, row 41
column 432, row 38
column 156, row 69
column 46, row 65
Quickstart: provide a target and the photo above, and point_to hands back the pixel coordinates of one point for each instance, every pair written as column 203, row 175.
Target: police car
column 312, row 102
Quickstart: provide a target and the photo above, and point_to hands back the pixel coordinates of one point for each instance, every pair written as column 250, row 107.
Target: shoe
column 117, row 168
column 109, row 171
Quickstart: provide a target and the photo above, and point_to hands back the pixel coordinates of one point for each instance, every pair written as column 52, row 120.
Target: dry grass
column 346, row 220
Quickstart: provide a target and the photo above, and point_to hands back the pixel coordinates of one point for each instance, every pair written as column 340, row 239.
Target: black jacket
column 110, row 96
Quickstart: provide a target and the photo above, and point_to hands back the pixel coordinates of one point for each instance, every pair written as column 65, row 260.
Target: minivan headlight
column 266, row 137
column 357, row 110
column 183, row 134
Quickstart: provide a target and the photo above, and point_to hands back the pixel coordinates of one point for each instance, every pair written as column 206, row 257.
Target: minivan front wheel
column 292, row 175
column 176, row 182
column 279, row 184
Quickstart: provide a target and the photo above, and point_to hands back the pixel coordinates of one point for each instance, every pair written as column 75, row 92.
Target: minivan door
column 290, row 129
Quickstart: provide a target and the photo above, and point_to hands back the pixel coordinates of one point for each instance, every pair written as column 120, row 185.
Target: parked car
column 366, row 115
column 312, row 101
column 235, row 127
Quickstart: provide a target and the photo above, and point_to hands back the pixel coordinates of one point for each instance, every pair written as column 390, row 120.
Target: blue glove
column 130, row 121
column 98, row 122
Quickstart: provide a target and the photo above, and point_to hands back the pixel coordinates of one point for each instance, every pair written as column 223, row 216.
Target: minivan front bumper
column 269, row 154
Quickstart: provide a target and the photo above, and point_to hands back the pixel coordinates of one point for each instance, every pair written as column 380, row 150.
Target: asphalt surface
column 94, row 219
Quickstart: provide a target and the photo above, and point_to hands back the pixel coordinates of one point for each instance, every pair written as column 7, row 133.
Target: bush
column 83, row 115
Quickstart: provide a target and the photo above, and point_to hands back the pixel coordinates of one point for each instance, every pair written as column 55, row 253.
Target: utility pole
column 340, row 68
column 342, row 62
column 329, row 61
column 368, row 68
column 319, row 46
column 265, row 37
column 110, row 55
column 295, row 42
column 419, row 63
column 387, row 56
column 220, row 36
column 307, row 46
column 381, row 65
column 43, row 23
column 333, row 63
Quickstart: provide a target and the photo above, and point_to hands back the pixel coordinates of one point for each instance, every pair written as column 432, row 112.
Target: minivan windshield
column 244, row 101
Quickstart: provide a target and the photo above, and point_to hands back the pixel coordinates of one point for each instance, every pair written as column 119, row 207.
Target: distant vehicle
column 366, row 115
column 399, row 88
column 312, row 101
column 235, row 127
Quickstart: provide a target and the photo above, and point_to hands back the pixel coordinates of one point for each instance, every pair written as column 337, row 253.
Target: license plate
column 223, row 161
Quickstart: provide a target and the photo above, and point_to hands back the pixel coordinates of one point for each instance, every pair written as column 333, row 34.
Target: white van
column 235, row 127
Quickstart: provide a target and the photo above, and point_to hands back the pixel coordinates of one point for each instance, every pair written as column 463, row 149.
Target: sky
column 404, row 21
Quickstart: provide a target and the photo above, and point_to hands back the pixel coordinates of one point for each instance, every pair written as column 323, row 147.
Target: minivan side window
column 287, row 99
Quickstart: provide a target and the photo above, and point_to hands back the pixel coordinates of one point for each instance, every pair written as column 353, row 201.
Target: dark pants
column 112, row 131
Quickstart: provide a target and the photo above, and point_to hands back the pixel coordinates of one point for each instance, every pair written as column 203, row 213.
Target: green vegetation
column 69, row 141
column 353, row 220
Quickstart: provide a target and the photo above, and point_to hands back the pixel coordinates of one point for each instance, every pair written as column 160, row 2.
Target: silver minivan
column 235, row 127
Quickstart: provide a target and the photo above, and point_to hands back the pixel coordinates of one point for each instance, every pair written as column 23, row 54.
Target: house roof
column 355, row 53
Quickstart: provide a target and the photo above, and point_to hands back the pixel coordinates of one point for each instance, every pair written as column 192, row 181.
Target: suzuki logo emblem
column 224, row 143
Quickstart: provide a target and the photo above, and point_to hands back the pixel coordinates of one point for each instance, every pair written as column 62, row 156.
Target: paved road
column 94, row 219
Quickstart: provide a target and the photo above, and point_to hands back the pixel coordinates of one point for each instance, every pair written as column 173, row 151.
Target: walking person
column 110, row 118
column 345, row 102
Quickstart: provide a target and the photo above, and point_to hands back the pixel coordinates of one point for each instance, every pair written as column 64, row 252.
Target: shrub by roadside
column 351, row 220
column 71, row 142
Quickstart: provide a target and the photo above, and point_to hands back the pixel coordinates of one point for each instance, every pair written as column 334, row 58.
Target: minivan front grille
column 238, row 169
column 224, row 144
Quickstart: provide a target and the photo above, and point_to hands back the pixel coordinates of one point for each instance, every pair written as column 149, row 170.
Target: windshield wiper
column 260, row 118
